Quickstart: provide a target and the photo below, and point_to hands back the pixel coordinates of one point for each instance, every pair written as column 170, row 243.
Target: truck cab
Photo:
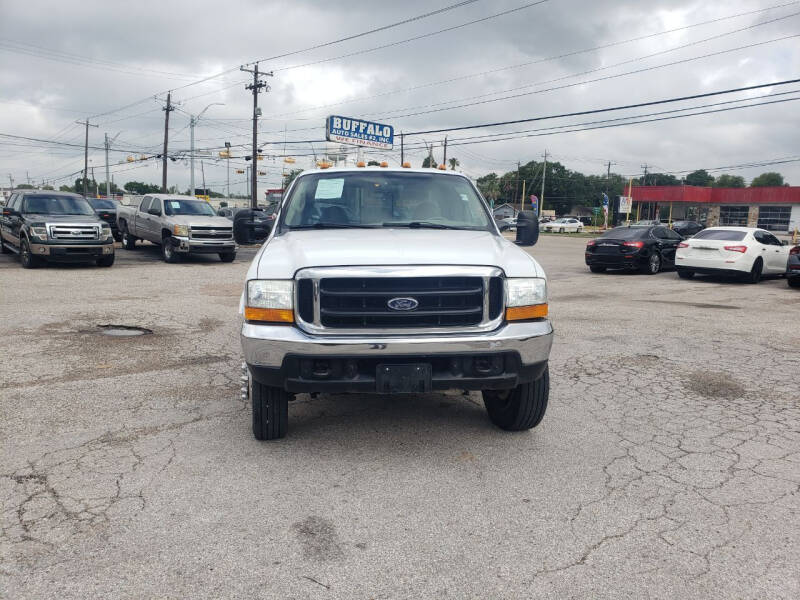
column 394, row 281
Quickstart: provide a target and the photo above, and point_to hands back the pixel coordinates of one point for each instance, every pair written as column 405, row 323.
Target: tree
column 24, row 186
column 770, row 179
column 66, row 188
column 140, row 188
column 489, row 186
column 429, row 163
column 660, row 179
column 729, row 181
column 453, row 163
column 289, row 177
column 699, row 178
column 48, row 187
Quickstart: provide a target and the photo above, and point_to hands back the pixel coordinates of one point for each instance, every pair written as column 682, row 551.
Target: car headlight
column 526, row 298
column 39, row 232
column 270, row 300
column 180, row 230
column 105, row 231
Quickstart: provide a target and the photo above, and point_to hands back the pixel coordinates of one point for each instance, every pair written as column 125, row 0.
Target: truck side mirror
column 527, row 228
column 10, row 212
column 156, row 212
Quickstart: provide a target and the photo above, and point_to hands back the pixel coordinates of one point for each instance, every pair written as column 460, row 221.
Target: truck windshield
column 188, row 207
column 42, row 204
column 384, row 199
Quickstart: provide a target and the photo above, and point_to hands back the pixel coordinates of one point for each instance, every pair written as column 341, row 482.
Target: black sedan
column 106, row 209
column 687, row 228
column 647, row 249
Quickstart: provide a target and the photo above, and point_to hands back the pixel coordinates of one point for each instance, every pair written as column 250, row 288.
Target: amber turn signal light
column 269, row 315
column 523, row 313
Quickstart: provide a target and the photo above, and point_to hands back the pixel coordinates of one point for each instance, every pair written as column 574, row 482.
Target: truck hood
column 200, row 221
column 283, row 255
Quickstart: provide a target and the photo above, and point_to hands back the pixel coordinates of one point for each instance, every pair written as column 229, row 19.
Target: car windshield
column 728, row 235
column 42, row 204
column 384, row 199
column 102, row 203
column 625, row 233
column 188, row 207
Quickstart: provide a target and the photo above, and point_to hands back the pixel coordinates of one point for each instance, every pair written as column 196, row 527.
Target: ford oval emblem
column 402, row 303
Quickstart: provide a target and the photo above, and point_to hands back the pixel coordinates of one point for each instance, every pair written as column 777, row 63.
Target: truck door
column 154, row 213
column 142, row 219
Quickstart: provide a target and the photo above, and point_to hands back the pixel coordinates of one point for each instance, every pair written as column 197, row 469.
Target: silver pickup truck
column 394, row 281
column 179, row 224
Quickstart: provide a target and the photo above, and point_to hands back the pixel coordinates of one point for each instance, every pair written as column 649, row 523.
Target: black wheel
column 595, row 269
column 754, row 276
column 227, row 256
column 684, row 274
column 128, row 241
column 521, row 408
column 105, row 261
column 117, row 236
column 168, row 251
column 26, row 257
column 793, row 282
column 653, row 264
column 270, row 411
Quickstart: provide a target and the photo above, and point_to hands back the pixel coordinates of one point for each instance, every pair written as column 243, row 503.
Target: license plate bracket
column 413, row 378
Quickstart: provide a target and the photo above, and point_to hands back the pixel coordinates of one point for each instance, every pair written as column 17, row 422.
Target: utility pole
column 444, row 160
column 28, row 177
column 203, row 171
column 256, row 87
column 167, row 109
column 544, row 175
column 402, row 151
column 644, row 181
column 516, row 186
column 228, row 165
column 192, row 123
column 86, row 154
column 94, row 182
column 11, row 180
column 108, row 176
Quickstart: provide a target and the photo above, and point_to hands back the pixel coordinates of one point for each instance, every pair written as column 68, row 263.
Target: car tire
column 653, row 264
column 793, row 282
column 594, row 269
column 684, row 274
column 520, row 408
column 168, row 251
column 270, row 411
column 754, row 276
column 26, row 257
column 105, row 261
column 227, row 257
column 128, row 241
column 117, row 236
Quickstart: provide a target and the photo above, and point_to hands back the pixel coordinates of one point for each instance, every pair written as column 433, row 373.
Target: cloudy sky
column 114, row 63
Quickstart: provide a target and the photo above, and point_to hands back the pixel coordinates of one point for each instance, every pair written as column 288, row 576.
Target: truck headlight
column 105, row 231
column 270, row 300
column 39, row 232
column 526, row 298
column 180, row 230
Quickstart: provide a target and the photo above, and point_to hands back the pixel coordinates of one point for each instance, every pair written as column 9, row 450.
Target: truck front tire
column 227, row 256
column 105, row 261
column 26, row 257
column 168, row 251
column 520, row 408
column 128, row 241
column 270, row 411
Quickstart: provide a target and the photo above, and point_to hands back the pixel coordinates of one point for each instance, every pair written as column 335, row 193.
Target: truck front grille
column 74, row 232
column 361, row 303
column 211, row 233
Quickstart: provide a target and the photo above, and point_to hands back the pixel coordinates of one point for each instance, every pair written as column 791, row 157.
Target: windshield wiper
column 331, row 226
column 421, row 225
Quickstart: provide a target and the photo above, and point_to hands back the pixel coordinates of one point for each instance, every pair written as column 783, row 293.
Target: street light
column 192, row 122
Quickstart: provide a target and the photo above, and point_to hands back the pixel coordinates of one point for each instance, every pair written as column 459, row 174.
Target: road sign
column 625, row 204
column 596, row 210
column 347, row 130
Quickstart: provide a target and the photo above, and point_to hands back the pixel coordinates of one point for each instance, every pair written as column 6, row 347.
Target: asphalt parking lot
column 667, row 466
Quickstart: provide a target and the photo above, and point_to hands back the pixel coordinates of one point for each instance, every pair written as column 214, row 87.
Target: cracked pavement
column 667, row 465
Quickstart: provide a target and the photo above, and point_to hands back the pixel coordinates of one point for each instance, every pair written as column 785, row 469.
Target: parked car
column 394, row 282
column 45, row 226
column 179, row 224
column 647, row 249
column 793, row 267
column 564, row 225
column 687, row 228
column 745, row 251
column 106, row 209
column 507, row 224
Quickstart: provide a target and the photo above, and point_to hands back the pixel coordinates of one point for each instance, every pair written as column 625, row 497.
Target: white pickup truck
column 179, row 224
column 393, row 281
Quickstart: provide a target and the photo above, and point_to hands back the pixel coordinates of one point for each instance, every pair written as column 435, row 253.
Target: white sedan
column 745, row 251
column 564, row 225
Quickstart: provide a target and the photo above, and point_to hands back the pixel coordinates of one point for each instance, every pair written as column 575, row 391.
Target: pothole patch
column 123, row 330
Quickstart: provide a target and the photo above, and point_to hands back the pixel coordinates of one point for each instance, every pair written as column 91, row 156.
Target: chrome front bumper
column 267, row 345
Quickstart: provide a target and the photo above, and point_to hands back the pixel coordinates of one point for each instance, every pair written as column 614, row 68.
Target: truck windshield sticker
column 174, row 204
column 329, row 188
